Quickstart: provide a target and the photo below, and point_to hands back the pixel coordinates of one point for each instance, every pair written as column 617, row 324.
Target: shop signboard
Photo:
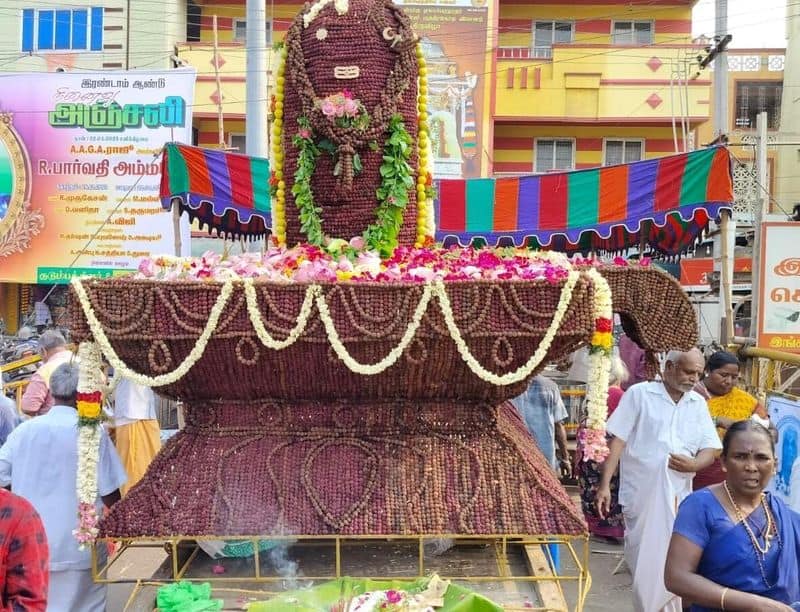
column 779, row 299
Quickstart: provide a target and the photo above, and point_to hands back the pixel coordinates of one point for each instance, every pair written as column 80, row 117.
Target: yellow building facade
column 586, row 83
column 568, row 85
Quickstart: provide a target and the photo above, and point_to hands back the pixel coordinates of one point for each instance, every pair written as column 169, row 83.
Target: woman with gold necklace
column 727, row 404
column 735, row 546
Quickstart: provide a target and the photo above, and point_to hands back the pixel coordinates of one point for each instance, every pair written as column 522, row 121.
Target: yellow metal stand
column 541, row 573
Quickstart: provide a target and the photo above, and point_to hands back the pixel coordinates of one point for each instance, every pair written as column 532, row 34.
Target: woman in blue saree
column 734, row 546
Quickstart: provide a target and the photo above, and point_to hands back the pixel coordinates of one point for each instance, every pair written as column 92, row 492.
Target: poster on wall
column 779, row 301
column 79, row 170
column 784, row 413
column 453, row 36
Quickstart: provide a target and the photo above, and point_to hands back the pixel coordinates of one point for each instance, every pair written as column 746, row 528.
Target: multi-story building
column 569, row 85
column 586, row 83
column 90, row 35
column 755, row 85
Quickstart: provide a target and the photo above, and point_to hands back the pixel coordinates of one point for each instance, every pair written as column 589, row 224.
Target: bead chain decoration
column 535, row 360
column 279, row 197
column 163, row 379
column 760, row 552
column 437, row 289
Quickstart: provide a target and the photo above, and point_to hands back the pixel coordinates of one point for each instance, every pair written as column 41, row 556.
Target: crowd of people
column 690, row 458
column 685, row 485
column 41, row 564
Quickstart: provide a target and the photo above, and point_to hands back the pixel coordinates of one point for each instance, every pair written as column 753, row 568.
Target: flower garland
column 314, row 292
column 163, row 379
column 535, row 360
column 594, row 437
column 392, row 194
column 309, row 212
column 88, row 403
column 278, row 212
column 425, row 192
column 394, row 354
column 261, row 331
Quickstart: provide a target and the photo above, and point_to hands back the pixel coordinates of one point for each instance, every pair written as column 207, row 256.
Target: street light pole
column 256, row 79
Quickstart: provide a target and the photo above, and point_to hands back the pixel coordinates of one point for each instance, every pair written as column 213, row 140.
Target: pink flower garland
column 342, row 261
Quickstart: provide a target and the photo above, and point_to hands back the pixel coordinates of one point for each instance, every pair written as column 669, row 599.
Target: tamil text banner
column 79, row 170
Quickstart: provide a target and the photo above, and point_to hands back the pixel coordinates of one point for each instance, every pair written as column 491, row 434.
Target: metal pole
column 721, row 72
column 256, row 78
column 762, row 189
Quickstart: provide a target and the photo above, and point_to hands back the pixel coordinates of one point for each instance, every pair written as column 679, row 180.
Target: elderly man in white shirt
column 663, row 434
column 137, row 433
column 40, row 462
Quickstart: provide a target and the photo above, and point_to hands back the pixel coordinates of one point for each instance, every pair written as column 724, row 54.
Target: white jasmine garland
column 535, row 360
column 91, row 377
column 255, row 316
column 394, row 354
column 88, row 456
column 164, row 379
column 599, row 360
column 314, row 296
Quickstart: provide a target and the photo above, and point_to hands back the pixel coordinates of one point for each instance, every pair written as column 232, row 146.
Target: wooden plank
column 550, row 594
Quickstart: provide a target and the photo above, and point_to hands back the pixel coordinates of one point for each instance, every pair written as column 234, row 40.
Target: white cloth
column 40, row 462
column 74, row 590
column 653, row 426
column 133, row 402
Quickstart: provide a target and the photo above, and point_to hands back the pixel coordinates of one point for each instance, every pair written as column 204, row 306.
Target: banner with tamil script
column 79, row 170
column 457, row 39
column 779, row 294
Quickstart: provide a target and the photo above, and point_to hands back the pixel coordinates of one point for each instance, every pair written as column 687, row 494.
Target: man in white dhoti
column 40, row 462
column 663, row 434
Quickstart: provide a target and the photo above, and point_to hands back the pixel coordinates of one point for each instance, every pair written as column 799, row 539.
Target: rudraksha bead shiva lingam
column 357, row 407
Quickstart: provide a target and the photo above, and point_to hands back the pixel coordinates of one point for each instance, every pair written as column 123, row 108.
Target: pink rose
column 304, row 133
column 357, row 242
column 393, row 596
column 339, row 110
column 148, row 268
column 328, row 108
column 350, row 107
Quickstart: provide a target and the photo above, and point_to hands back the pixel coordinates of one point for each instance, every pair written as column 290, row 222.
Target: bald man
column 663, row 434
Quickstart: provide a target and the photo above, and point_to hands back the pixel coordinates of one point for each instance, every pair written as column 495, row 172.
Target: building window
column 57, row 30
column 237, row 143
column 554, row 154
column 754, row 97
column 240, row 31
column 548, row 33
column 622, row 151
column 633, row 32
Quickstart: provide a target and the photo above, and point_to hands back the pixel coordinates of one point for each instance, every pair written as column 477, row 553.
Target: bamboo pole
column 726, row 282
column 220, row 117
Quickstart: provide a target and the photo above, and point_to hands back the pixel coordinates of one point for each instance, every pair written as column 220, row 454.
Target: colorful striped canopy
column 671, row 199
column 227, row 192
column 666, row 202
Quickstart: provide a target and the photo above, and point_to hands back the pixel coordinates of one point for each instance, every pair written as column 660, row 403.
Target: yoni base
column 401, row 467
